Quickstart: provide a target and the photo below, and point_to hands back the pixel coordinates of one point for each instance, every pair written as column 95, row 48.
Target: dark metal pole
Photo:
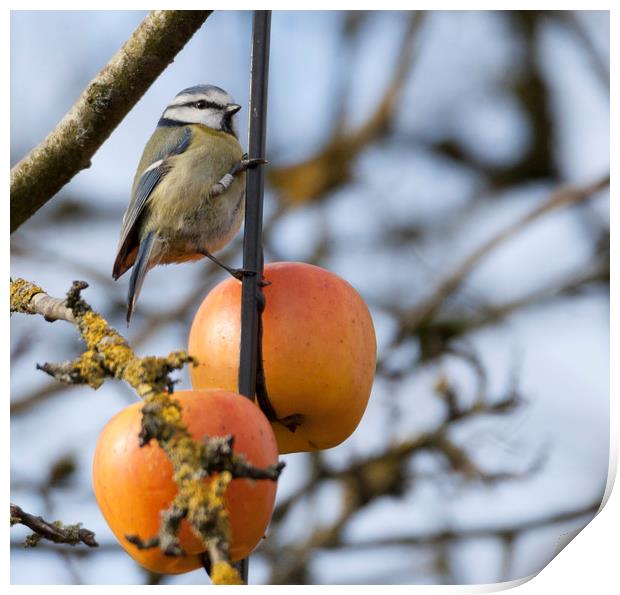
column 251, row 293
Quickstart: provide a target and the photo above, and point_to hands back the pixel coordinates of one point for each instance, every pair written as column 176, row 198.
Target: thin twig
column 559, row 199
column 56, row 531
column 432, row 539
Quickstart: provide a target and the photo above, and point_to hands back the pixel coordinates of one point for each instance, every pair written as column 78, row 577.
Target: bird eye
column 202, row 104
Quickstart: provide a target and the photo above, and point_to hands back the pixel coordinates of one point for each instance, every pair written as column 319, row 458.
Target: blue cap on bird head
column 212, row 91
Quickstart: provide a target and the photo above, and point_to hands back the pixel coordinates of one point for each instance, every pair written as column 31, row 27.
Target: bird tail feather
column 140, row 269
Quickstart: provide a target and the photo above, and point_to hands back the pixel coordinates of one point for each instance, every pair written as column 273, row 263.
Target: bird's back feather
column 170, row 142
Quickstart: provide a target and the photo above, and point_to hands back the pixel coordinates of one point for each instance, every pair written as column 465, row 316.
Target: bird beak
column 233, row 108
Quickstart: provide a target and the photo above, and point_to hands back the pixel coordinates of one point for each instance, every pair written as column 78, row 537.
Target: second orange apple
column 319, row 351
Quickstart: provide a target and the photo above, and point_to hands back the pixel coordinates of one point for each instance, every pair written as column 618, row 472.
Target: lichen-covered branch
column 35, row 301
column 55, row 531
column 106, row 100
column 108, row 355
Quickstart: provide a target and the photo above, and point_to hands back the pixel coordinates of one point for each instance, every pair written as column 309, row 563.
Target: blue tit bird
column 187, row 199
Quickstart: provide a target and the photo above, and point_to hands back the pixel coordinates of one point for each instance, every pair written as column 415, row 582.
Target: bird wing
column 151, row 175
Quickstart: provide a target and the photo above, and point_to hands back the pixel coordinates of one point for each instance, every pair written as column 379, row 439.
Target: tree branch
column 108, row 355
column 104, row 103
column 56, row 531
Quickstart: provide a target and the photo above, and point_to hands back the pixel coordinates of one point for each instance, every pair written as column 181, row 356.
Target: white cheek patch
column 191, row 115
column 182, row 114
column 211, row 118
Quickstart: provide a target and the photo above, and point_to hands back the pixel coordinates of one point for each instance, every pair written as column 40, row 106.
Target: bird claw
column 240, row 273
column 245, row 163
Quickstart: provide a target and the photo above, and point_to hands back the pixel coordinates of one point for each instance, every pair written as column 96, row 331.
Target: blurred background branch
column 331, row 167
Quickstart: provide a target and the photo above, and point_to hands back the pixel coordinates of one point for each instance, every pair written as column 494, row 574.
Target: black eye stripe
column 204, row 104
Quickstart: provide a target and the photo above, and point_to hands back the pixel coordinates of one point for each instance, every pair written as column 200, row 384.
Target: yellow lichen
column 171, row 415
column 94, row 328
column 184, row 471
column 22, row 292
column 178, row 358
column 218, row 486
column 88, row 365
column 136, row 372
column 117, row 357
column 197, row 496
column 224, row 573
